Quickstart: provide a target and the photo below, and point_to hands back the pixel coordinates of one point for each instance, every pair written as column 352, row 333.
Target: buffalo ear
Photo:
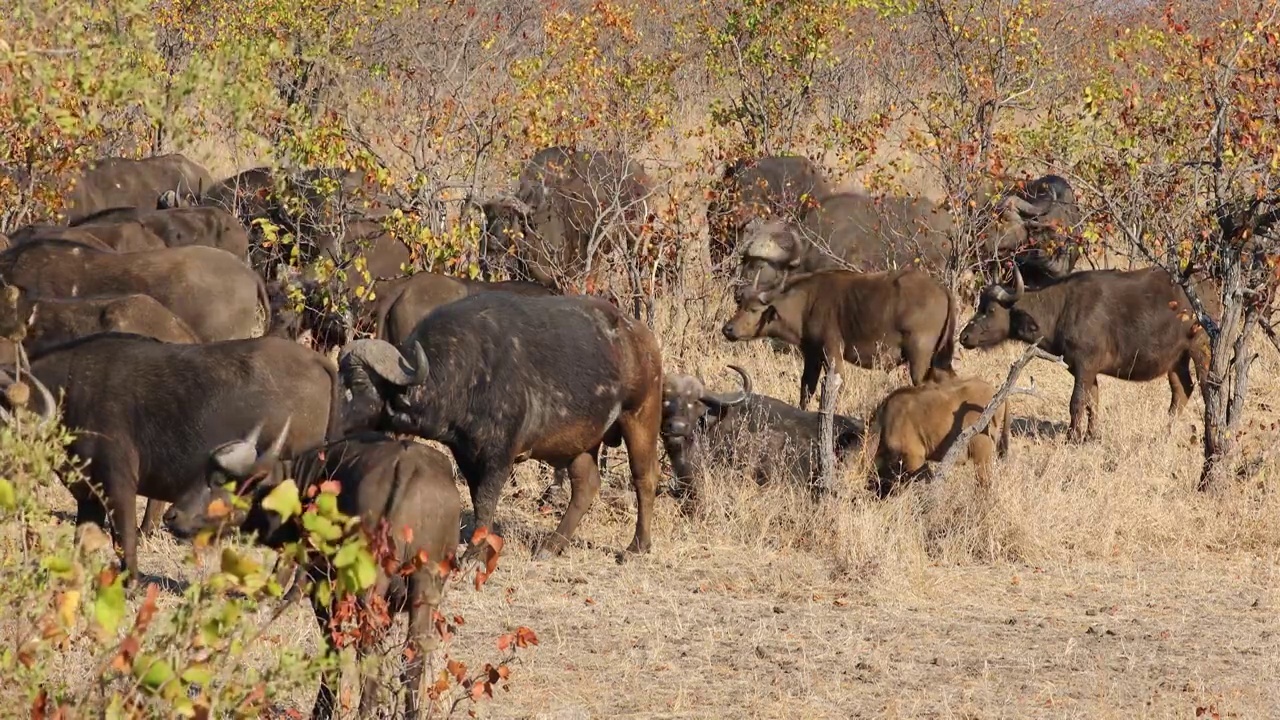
column 1023, row 326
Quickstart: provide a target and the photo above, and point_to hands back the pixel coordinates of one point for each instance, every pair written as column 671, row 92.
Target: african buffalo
column 569, row 208
column 211, row 290
column 706, row 429
column 124, row 237
column 423, row 292
column 406, row 484
column 919, row 423
column 860, row 232
column 767, row 187
column 122, row 182
column 868, row 319
column 179, row 227
column 1128, row 325
column 504, row 379
column 145, row 413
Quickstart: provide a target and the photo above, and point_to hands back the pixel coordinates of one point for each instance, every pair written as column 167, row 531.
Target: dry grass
column 1092, row 582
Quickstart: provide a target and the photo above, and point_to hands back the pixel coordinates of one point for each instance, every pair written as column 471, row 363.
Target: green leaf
column 108, row 606
column 153, row 673
column 347, row 554
column 238, row 566
column 321, row 527
column 198, row 674
column 327, row 506
column 283, row 500
column 8, row 499
column 58, row 565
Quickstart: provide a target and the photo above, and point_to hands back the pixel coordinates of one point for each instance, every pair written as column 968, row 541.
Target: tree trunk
column 1228, row 380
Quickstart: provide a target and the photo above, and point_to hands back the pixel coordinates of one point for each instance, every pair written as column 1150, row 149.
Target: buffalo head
column 15, row 392
column 506, row 223
column 998, row 317
column 376, row 378
column 758, row 314
column 234, row 467
column 686, row 401
column 772, row 249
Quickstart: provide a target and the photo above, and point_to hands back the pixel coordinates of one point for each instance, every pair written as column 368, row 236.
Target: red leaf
column 525, row 637
column 504, row 641
column 406, row 533
column 459, row 620
column 457, row 669
column 330, row 486
column 38, row 705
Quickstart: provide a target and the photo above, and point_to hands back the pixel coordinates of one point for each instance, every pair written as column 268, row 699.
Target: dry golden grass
column 1092, row 582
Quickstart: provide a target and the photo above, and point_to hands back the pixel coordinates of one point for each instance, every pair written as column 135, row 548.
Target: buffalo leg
column 919, row 357
column 1094, row 409
column 485, row 478
column 640, row 432
column 982, row 452
column 1080, row 398
column 425, row 590
column 813, row 363
column 584, row 476
column 155, row 509
column 114, row 473
column 1180, row 386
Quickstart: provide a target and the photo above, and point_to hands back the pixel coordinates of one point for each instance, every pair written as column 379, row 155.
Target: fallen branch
column 961, row 442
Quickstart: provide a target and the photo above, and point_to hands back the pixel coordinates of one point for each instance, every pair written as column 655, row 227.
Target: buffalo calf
column 868, row 319
column 406, row 484
column 915, row 424
column 500, row 379
column 1130, row 325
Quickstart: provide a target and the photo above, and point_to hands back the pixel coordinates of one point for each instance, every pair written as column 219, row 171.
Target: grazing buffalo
column 767, row 187
column 915, row 424
column 868, row 319
column 705, row 429
column 1128, row 325
column 406, row 484
column 124, row 237
column 179, row 227
column 500, row 379
column 570, row 207
column 122, row 182
column 423, row 292
column 217, row 296
column 145, row 413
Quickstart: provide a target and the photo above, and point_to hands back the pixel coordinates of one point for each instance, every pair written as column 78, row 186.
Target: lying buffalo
column 767, row 187
column 179, row 227
column 1129, row 325
column 504, row 379
column 915, row 424
column 703, row 429
column 145, row 413
column 123, row 182
column 869, row 319
column 212, row 291
column 419, row 294
column 406, row 484
column 570, row 207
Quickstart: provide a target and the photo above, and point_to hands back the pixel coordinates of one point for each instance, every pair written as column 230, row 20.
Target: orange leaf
column 148, row 609
column 330, row 486
column 406, row 533
column 457, row 669
column 525, row 637
column 504, row 641
column 480, row 534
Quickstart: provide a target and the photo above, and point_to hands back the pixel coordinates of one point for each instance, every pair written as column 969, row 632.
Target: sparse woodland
column 1132, row 576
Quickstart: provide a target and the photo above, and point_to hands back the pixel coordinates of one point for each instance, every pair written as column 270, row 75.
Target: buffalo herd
column 156, row 325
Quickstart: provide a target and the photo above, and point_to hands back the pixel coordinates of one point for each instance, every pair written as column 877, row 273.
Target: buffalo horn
column 764, row 247
column 48, row 406
column 384, row 360
column 1025, row 207
column 235, row 458
column 734, row 398
column 274, row 451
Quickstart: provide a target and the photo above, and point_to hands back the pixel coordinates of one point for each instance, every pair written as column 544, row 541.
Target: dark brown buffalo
column 145, row 414
column 1128, row 325
column 212, row 291
column 765, row 188
column 124, row 237
column 122, row 182
column 919, row 423
column 702, row 429
column 423, row 292
column 406, row 484
column 1035, row 224
column 869, row 319
column 570, row 207
column 504, row 379
column 46, row 322
column 178, row 227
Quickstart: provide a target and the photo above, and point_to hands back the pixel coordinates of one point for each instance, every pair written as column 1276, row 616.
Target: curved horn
column 235, row 459
column 1025, row 207
column 274, row 451
column 764, row 247
column 385, row 361
column 48, row 406
column 1018, row 286
column 252, row 438
column 734, row 398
